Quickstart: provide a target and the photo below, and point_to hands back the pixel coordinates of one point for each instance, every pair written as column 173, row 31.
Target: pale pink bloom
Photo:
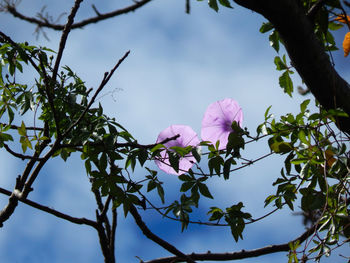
column 187, row 137
column 217, row 121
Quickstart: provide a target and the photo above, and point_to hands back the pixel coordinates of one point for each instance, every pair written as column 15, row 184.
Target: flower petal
column 187, row 137
column 217, row 120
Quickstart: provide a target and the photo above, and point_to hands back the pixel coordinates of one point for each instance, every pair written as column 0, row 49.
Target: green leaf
column 216, row 213
column 213, row 4
column 142, row 156
column 151, row 185
column 196, row 154
column 103, row 162
column 11, row 114
column 174, row 160
column 22, row 130
column 186, row 186
column 185, row 177
column 5, row 137
column 204, row 190
column 225, row 3
column 265, row 27
column 160, row 191
column 334, row 26
column 215, row 164
column 281, row 147
column 304, row 105
column 274, row 40
column 286, row 83
column 280, row 65
column 227, row 168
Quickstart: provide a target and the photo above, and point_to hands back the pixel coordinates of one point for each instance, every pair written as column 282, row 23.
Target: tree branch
column 104, row 242
column 99, row 17
column 149, row 234
column 75, row 220
column 18, row 155
column 240, row 254
column 15, row 127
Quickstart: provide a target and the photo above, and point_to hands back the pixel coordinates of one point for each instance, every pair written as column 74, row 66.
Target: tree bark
column 306, row 53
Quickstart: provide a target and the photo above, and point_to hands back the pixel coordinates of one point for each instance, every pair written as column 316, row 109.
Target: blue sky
column 178, row 65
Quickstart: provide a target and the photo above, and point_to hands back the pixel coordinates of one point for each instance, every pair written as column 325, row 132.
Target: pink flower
column 187, row 137
column 216, row 124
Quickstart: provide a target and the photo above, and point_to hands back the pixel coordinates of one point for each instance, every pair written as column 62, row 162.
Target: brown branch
column 240, row 254
column 8, row 210
column 21, row 156
column 15, row 127
column 106, row 251
column 113, row 230
column 145, row 146
column 40, row 23
column 64, row 37
column 75, row 220
column 51, row 86
column 149, row 234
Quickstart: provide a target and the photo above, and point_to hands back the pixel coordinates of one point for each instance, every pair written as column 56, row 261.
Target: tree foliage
column 315, row 145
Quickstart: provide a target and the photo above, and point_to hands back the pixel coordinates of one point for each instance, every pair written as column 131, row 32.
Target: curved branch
column 240, row 254
column 75, row 220
column 18, row 155
column 306, row 53
column 149, row 234
column 99, row 17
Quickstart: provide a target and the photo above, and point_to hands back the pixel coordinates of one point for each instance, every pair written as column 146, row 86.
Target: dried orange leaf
column 341, row 19
column 330, row 157
column 346, row 44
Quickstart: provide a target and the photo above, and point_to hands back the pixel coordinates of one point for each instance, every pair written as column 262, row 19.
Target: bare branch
column 240, row 254
column 15, row 127
column 145, row 146
column 113, row 230
column 64, row 37
column 44, row 23
column 21, row 156
column 75, row 220
column 149, row 234
column 104, row 242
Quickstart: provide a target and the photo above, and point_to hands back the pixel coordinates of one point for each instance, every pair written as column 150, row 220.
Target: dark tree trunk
column 306, row 53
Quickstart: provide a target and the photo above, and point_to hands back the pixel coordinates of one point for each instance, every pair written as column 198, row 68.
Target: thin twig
column 188, row 7
column 64, row 37
column 40, row 23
